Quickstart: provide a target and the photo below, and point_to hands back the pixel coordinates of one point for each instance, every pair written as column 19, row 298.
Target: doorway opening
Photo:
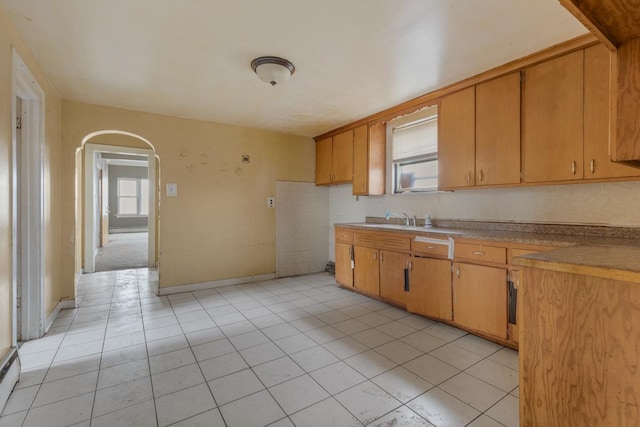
column 120, row 199
column 27, row 204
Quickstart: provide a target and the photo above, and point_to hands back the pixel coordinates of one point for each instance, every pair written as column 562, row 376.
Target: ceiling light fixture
column 272, row 69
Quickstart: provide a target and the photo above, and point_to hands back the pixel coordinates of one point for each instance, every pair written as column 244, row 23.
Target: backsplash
column 613, row 204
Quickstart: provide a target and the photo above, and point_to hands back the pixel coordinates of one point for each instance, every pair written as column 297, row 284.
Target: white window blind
column 417, row 139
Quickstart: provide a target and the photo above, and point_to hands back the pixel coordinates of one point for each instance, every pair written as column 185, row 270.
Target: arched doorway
column 90, row 207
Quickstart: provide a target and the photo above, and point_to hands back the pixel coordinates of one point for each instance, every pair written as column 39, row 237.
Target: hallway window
column 133, row 196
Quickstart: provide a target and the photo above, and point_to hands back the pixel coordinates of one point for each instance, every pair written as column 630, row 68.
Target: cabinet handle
column 375, row 256
column 478, row 252
column 431, row 247
column 480, row 176
column 410, row 266
column 573, row 167
column 593, row 166
column 458, row 273
column 468, row 177
column 381, row 256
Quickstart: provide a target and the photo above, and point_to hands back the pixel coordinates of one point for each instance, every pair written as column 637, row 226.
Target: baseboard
column 52, row 317
column 128, row 230
column 214, row 284
column 9, row 375
column 68, row 303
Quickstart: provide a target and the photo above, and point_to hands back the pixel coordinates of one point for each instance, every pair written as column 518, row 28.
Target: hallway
column 124, row 250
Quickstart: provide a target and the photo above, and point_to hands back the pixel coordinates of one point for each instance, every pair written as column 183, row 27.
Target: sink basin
column 411, row 228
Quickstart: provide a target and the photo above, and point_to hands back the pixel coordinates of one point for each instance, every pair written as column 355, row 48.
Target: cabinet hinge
column 18, row 122
column 18, row 302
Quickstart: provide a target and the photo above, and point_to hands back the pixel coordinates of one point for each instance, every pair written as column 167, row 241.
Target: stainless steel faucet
column 405, row 217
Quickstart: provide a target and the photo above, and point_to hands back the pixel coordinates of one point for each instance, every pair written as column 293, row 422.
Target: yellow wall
column 219, row 226
column 52, row 158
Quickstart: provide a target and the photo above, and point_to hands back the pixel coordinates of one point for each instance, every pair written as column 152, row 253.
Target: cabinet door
column 430, row 288
column 323, row 161
column 456, row 140
column 344, row 272
column 366, row 275
column 361, row 160
column 553, row 119
column 498, row 131
column 343, row 157
column 480, row 298
column 392, row 276
column 597, row 163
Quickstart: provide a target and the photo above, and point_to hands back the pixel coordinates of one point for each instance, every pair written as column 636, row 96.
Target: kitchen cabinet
column 344, row 256
column 334, row 159
column 392, row 276
column 553, row 119
column 369, row 157
column 497, row 137
column 366, row 275
column 430, row 288
column 597, row 163
column 480, row 298
column 456, row 140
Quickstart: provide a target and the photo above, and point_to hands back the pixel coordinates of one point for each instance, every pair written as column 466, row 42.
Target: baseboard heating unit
column 9, row 375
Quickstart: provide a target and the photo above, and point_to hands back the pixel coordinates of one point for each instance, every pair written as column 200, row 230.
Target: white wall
column 612, row 204
column 302, row 227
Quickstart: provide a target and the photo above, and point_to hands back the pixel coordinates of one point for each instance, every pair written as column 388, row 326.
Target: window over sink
column 414, row 151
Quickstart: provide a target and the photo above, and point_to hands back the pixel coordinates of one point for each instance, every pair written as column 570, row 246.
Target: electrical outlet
column 271, row 202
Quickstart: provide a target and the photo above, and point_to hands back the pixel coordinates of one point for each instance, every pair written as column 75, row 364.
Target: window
column 415, row 152
column 133, row 197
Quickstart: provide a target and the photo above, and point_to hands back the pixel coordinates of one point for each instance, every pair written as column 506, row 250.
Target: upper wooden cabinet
column 553, row 119
column 597, row 94
column 334, row 159
column 456, row 140
column 369, row 155
column 498, row 131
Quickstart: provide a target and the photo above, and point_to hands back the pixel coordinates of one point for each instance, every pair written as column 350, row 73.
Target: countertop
column 607, row 252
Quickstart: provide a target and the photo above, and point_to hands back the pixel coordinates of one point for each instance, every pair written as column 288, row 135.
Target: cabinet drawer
column 430, row 249
column 344, row 236
column 383, row 241
column 481, row 253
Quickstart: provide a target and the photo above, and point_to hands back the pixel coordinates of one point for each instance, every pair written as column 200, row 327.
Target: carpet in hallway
column 124, row 250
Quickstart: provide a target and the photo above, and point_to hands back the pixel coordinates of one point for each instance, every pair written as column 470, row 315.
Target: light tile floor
column 295, row 351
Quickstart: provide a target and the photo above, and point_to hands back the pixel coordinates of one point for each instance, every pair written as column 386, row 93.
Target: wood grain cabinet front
column 334, row 159
column 429, row 292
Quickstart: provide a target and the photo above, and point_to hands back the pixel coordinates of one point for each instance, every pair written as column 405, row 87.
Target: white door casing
column 28, row 265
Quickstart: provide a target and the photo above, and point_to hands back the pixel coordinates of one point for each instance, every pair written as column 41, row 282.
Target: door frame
column 31, row 239
column 90, row 177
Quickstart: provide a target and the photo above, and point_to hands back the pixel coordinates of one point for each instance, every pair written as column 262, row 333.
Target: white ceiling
column 190, row 58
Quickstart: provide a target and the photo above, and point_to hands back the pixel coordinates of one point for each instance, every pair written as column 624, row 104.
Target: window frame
column 425, row 115
column 138, row 197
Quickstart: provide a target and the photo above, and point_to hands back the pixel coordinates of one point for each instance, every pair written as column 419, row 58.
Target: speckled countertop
column 609, row 252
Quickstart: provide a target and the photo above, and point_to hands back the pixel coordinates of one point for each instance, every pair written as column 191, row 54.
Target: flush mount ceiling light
column 273, row 70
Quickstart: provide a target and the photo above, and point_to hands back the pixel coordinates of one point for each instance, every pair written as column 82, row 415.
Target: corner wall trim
column 214, row 284
column 9, row 375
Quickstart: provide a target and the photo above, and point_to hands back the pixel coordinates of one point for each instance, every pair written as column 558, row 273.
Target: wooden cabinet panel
column 430, row 288
column 456, row 140
column 480, row 252
column 360, row 160
column 369, row 155
column 366, row 275
column 553, row 119
column 429, row 249
column 597, row 163
column 344, row 236
column 392, row 276
column 480, row 298
column 498, row 131
column 343, row 157
column 344, row 272
column 324, row 154
column 383, row 241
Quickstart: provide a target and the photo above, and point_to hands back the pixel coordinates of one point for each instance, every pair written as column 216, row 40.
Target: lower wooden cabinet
column 366, row 275
column 480, row 298
column 430, row 288
column 344, row 271
column 392, row 276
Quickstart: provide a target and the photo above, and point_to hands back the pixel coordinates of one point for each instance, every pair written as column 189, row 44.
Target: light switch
column 172, row 190
column 271, row 202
